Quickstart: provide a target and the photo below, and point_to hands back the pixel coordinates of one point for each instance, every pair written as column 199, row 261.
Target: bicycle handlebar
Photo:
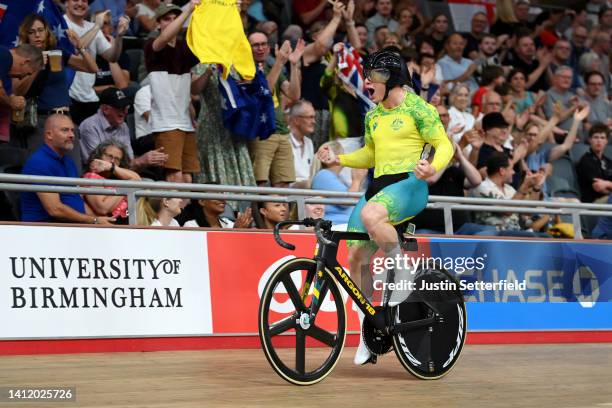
column 317, row 228
column 318, row 224
column 277, row 237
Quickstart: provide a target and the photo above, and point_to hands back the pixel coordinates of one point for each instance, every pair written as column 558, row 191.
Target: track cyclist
column 397, row 132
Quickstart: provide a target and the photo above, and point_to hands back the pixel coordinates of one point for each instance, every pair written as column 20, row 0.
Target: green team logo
column 397, row 124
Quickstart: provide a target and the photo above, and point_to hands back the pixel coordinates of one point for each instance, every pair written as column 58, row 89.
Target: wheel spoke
column 322, row 335
column 300, row 351
column 296, row 320
column 282, row 325
column 294, row 295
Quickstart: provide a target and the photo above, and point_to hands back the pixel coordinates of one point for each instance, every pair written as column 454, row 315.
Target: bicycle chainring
column 376, row 342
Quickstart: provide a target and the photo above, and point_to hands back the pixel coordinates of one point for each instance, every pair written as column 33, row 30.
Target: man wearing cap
column 107, row 123
column 169, row 61
column 497, row 131
column 82, row 94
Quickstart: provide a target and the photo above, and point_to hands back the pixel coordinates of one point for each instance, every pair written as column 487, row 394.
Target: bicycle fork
column 319, row 287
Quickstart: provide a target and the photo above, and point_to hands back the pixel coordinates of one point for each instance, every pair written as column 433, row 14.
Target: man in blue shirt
column 51, row 160
column 454, row 67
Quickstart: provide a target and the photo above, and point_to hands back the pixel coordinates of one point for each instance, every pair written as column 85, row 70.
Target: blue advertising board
column 529, row 285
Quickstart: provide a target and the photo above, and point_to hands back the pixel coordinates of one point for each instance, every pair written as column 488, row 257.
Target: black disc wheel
column 430, row 352
column 300, row 350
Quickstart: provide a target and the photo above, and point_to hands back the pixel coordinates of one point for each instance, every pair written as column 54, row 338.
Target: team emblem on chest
column 397, row 124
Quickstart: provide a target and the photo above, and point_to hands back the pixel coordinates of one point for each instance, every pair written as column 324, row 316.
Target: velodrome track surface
column 556, row 376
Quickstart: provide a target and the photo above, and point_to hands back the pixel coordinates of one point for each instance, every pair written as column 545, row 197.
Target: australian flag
column 12, row 13
column 16, row 10
column 350, row 71
column 248, row 108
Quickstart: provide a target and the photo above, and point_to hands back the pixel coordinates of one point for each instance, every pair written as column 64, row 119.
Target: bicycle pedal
column 410, row 229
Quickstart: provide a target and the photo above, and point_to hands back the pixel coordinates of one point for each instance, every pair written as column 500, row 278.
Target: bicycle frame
column 326, row 257
column 427, row 353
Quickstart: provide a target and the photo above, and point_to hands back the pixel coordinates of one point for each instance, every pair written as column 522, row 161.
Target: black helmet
column 389, row 62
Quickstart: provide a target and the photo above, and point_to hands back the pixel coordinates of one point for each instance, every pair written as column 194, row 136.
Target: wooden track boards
column 556, row 376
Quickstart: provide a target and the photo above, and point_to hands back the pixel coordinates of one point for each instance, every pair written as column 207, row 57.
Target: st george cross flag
column 350, row 71
column 247, row 108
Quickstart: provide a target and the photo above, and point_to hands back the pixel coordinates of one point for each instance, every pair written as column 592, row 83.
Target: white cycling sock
column 363, row 354
column 403, row 275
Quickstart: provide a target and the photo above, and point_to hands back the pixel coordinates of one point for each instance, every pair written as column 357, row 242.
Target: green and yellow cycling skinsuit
column 394, row 141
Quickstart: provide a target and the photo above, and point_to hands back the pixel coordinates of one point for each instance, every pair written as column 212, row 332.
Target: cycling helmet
column 389, row 67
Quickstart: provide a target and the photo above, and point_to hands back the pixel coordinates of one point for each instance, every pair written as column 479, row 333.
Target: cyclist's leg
column 394, row 204
column 360, row 251
column 359, row 254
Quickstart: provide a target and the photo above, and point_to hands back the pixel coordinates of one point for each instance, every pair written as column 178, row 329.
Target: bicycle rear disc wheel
column 300, row 351
column 430, row 352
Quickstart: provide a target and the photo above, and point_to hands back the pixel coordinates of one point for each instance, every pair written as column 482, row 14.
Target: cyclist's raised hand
column 424, row 170
column 327, row 156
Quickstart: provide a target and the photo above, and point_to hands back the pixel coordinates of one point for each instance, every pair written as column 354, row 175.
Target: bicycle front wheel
column 430, row 352
column 301, row 351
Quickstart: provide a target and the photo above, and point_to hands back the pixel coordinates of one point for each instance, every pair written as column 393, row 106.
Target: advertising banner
column 100, row 282
column 527, row 271
column 560, row 285
column 82, row 282
column 240, row 265
column 509, row 284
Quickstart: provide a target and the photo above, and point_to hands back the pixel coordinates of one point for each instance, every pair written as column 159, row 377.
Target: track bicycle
column 427, row 330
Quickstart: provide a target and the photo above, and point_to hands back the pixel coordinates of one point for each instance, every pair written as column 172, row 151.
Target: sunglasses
column 378, row 75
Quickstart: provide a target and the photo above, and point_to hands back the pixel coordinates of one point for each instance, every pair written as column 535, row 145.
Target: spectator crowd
column 524, row 97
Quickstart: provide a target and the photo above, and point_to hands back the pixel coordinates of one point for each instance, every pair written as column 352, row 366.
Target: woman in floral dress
column 224, row 158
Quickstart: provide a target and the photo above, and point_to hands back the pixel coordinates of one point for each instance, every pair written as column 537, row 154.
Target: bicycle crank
column 376, row 341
